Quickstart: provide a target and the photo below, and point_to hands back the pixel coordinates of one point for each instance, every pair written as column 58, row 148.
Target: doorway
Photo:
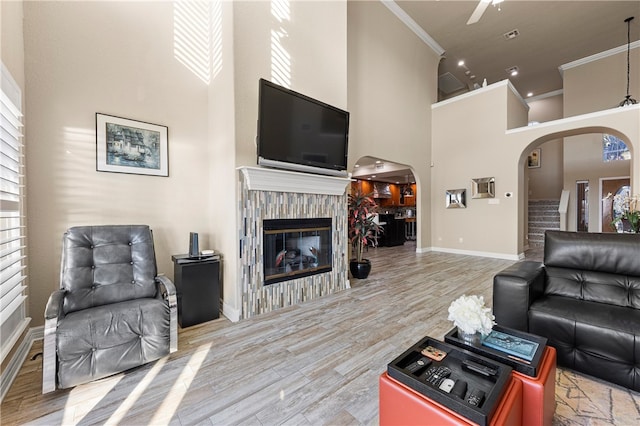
column 582, row 194
column 613, row 187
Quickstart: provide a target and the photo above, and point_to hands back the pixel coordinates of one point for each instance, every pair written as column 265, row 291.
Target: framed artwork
column 129, row 146
column 483, row 187
column 533, row 161
column 456, row 199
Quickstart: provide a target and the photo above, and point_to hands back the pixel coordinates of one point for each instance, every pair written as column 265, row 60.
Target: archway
column 396, row 189
column 583, row 169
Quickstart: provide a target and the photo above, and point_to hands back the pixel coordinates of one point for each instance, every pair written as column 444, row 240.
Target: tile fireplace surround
column 278, row 194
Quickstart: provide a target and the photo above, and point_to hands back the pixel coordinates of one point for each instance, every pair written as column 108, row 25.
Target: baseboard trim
column 230, row 312
column 423, row 249
column 10, row 373
column 479, row 253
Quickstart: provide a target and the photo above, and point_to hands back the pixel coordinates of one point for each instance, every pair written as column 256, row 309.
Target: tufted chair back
column 107, row 264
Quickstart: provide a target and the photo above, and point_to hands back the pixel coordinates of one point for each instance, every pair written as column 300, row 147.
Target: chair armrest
column 167, row 291
column 54, row 305
column 514, row 289
column 52, row 312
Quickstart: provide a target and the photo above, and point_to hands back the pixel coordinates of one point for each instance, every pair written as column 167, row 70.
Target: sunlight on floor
column 78, row 397
column 133, row 397
column 280, row 58
column 173, row 399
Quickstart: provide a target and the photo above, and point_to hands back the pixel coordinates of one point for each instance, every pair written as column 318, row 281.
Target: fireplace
column 268, row 196
column 296, row 248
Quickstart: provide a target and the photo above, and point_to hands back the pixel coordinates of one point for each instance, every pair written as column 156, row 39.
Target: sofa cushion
column 594, row 286
column 98, row 342
column 107, row 264
column 595, row 338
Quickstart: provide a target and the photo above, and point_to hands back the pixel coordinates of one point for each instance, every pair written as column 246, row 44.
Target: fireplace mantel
column 266, row 179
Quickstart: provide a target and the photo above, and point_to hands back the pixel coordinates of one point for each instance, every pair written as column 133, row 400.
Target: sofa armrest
column 514, row 289
column 52, row 312
column 167, row 291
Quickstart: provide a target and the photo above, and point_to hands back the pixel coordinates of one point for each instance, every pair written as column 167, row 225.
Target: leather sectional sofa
column 584, row 298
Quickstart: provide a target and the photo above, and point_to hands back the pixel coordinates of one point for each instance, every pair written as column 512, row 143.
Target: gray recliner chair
column 112, row 311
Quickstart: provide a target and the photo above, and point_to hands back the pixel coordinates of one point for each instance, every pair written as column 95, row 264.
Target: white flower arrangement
column 469, row 314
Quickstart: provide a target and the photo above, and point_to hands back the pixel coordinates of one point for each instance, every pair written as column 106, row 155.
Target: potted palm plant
column 362, row 228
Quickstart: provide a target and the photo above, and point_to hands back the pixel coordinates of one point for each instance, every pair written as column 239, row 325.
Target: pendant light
column 628, row 100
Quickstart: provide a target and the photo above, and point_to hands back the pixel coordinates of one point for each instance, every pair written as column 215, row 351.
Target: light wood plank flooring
column 313, row 364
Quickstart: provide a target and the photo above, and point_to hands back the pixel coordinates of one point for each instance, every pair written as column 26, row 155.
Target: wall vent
column 449, row 83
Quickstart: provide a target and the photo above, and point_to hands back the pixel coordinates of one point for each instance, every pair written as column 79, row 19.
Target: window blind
column 12, row 229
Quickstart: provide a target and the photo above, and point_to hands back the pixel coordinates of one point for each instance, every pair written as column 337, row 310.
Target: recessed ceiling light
column 530, row 94
column 373, row 176
column 357, row 165
column 378, row 161
column 512, row 71
column 460, row 63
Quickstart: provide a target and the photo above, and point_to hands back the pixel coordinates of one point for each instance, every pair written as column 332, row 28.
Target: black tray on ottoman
column 524, row 366
column 480, row 374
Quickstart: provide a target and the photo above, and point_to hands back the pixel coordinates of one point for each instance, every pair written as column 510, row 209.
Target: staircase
column 543, row 215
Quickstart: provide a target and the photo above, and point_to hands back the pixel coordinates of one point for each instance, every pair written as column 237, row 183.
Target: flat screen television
column 296, row 132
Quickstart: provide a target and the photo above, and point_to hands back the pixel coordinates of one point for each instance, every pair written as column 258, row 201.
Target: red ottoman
column 539, row 393
column 401, row 405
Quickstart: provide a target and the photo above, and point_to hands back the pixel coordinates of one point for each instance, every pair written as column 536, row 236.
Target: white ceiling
column 551, row 34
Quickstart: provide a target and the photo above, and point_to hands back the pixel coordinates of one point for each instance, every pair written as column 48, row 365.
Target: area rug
column 584, row 400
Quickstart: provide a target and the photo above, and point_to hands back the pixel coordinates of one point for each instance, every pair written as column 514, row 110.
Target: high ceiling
column 550, row 34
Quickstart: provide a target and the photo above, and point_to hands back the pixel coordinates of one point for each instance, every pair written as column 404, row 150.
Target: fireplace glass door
column 295, row 248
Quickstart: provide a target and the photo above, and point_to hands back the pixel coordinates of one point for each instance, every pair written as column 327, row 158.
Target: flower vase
column 471, row 339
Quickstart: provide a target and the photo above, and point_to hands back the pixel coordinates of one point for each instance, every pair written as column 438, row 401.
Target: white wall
column 115, row 58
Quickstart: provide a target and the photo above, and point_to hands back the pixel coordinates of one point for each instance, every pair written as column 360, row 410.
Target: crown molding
column 413, row 26
column 597, row 57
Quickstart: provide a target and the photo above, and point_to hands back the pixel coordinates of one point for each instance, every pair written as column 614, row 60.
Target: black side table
column 197, row 281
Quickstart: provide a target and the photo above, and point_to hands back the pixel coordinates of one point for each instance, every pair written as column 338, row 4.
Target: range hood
column 381, row 190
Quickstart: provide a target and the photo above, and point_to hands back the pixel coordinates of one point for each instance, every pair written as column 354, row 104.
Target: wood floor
column 312, row 364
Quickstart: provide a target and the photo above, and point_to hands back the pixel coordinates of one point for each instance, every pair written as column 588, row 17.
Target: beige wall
column 593, row 86
column 392, row 83
column 469, row 142
column 12, row 41
column 115, row 58
column 75, row 70
column 546, row 182
column 313, row 46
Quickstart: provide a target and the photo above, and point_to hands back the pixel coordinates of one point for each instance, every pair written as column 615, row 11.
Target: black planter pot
column 360, row 270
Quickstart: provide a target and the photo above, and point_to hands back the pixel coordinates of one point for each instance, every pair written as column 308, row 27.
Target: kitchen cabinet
column 394, row 231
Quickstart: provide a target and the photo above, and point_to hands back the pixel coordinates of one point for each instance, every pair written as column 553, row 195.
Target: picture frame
column 456, row 198
column 533, row 160
column 483, row 187
column 130, row 146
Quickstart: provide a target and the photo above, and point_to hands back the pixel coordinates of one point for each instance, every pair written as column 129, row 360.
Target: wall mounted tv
column 296, row 132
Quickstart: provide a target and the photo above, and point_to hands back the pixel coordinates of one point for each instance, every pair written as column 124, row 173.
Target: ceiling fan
column 480, row 8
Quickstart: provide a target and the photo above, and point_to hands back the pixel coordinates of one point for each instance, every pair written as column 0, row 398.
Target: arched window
column 614, row 149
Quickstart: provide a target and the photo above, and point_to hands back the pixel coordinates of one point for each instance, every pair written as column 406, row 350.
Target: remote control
column 459, row 389
column 435, row 375
column 415, row 366
column 479, row 368
column 475, row 398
